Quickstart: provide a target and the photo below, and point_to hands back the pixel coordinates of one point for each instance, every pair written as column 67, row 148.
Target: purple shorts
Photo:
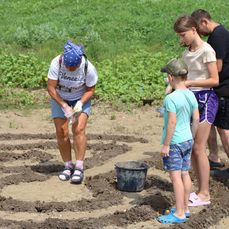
column 210, row 108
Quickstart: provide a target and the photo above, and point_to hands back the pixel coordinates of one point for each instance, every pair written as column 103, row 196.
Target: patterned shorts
column 179, row 156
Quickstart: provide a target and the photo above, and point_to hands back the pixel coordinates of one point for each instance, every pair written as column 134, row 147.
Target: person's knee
column 223, row 132
column 198, row 149
column 174, row 175
column 78, row 130
column 194, row 149
column 61, row 132
column 184, row 173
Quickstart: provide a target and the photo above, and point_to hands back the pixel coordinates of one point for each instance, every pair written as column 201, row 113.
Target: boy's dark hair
column 200, row 14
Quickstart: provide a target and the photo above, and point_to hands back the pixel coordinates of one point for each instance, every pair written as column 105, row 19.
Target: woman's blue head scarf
column 72, row 54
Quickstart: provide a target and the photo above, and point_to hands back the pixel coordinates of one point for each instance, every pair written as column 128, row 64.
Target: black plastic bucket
column 131, row 175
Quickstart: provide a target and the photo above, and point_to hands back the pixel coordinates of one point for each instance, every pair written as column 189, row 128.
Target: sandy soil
column 31, row 195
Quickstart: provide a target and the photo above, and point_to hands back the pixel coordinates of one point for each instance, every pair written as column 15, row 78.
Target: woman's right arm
column 51, row 87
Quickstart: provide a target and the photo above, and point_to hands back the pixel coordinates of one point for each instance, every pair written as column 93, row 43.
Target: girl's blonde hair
column 184, row 23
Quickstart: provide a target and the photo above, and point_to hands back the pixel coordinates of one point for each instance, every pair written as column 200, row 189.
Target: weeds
column 127, row 41
column 120, row 128
column 113, row 116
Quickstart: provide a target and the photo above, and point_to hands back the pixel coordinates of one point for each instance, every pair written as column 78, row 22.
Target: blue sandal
column 186, row 214
column 171, row 219
column 80, row 176
column 67, row 177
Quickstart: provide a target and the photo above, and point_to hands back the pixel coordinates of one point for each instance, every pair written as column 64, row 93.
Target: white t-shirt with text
column 72, row 85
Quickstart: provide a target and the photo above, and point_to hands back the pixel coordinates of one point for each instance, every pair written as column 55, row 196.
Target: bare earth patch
column 31, row 195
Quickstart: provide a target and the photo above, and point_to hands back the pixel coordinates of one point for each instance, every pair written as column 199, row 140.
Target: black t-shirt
column 219, row 40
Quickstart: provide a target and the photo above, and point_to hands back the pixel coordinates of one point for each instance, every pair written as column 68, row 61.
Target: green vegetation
column 129, row 78
column 23, row 70
column 128, row 41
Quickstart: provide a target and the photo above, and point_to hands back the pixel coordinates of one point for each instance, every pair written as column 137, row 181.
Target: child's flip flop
column 186, row 214
column 171, row 218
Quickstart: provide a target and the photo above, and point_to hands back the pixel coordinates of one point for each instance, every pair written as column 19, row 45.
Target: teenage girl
column 202, row 76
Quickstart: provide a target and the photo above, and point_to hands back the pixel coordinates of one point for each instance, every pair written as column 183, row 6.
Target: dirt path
column 31, row 195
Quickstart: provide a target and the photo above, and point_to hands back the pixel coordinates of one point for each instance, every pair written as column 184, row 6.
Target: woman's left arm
column 212, row 81
column 88, row 94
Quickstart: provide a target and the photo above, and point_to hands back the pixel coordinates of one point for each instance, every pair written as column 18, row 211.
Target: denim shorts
column 210, row 108
column 222, row 116
column 179, row 156
column 57, row 111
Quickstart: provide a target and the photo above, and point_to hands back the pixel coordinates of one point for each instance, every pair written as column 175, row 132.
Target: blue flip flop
column 171, row 218
column 186, row 214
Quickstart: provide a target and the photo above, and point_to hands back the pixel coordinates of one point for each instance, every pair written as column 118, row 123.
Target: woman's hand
column 67, row 110
column 78, row 106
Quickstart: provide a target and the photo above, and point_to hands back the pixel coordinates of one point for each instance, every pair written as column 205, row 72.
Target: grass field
column 113, row 32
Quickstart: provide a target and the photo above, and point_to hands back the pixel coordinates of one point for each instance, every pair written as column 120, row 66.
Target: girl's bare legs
column 200, row 161
column 212, row 145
